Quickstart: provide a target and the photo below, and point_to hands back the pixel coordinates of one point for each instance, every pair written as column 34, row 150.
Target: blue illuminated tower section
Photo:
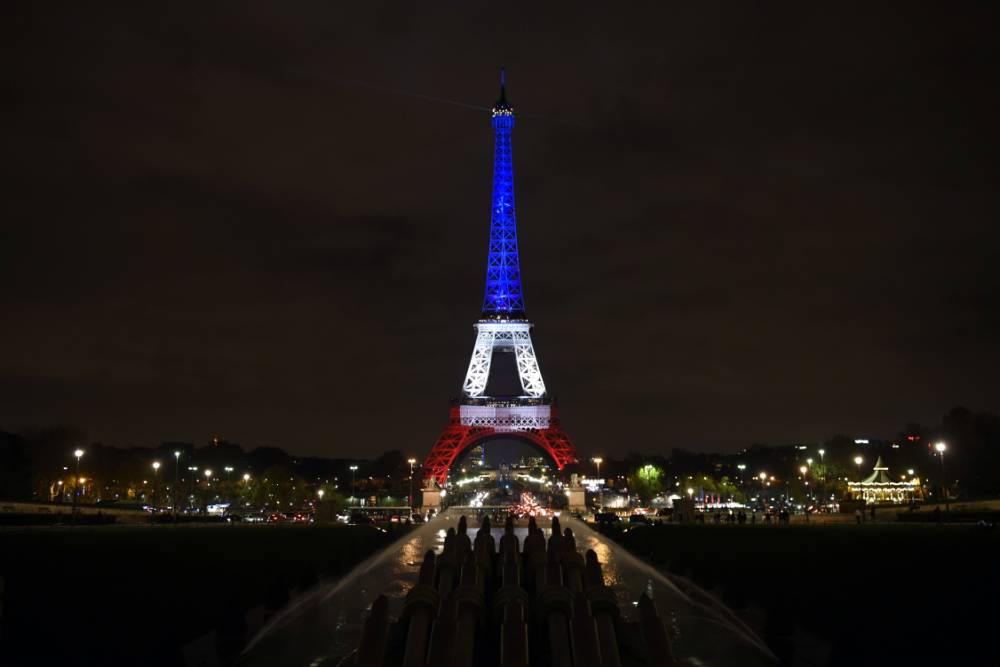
column 503, row 272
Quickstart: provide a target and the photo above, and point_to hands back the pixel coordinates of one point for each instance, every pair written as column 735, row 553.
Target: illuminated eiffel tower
column 527, row 413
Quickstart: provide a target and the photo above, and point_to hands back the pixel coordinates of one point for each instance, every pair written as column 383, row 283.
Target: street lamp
column 411, row 461
column 229, row 480
column 354, row 469
column 156, row 481
column 208, row 485
column 598, row 461
column 177, row 467
column 78, row 453
column 941, row 448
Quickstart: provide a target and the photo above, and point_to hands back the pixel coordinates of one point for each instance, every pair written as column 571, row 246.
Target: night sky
column 268, row 220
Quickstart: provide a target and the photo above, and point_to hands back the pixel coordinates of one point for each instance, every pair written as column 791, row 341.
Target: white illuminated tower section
column 503, row 328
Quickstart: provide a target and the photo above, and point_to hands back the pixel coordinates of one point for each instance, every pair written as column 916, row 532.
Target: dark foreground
column 120, row 595
column 871, row 595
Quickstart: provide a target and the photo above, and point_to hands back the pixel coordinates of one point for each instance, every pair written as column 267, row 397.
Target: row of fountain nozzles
column 544, row 598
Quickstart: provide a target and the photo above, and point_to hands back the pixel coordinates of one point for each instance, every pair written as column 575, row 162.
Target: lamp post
column 858, row 461
column 941, row 448
column 177, row 467
column 354, row 469
column 78, row 453
column 246, row 492
column 600, row 489
column 192, row 470
column 208, row 486
column 411, row 461
column 156, row 482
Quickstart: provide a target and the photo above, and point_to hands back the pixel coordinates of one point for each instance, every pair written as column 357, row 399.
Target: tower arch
column 458, row 438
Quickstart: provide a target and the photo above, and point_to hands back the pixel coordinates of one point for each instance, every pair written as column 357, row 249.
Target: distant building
column 879, row 487
column 477, row 455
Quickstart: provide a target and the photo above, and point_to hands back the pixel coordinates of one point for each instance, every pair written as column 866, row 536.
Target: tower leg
column 479, row 366
column 558, row 445
column 527, row 365
column 449, row 445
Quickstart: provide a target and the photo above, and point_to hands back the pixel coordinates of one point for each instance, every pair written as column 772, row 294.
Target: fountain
column 437, row 570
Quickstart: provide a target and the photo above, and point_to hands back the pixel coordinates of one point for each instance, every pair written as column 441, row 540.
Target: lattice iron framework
column 503, row 335
column 503, row 270
column 530, row 416
column 457, row 438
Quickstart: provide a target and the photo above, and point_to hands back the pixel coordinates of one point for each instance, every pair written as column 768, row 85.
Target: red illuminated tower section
column 502, row 331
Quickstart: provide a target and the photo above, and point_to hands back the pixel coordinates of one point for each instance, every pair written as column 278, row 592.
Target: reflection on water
column 325, row 624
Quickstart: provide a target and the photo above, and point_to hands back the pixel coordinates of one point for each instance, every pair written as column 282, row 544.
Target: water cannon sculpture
column 538, row 603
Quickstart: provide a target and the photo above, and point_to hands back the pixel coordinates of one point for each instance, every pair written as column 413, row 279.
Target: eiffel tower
column 487, row 409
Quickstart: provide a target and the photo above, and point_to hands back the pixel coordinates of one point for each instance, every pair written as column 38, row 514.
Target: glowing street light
column 246, row 477
column 156, row 483
column 858, row 461
column 598, row 461
column 78, row 453
column 177, row 467
column 320, row 494
column 803, row 470
column 354, row 469
column 412, row 462
column 940, row 447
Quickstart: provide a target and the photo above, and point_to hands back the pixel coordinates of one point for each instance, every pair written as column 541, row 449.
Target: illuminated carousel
column 879, row 487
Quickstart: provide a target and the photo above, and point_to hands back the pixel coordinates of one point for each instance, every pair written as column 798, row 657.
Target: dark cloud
column 269, row 221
